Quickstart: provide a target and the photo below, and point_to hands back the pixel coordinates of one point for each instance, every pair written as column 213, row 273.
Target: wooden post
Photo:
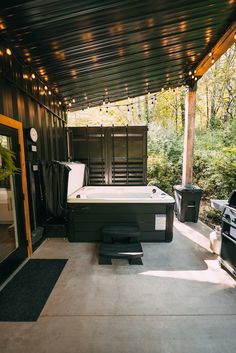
column 189, row 130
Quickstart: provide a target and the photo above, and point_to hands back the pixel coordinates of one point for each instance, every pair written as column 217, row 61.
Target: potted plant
column 7, row 163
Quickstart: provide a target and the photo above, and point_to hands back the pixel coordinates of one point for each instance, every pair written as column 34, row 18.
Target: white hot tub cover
column 76, row 176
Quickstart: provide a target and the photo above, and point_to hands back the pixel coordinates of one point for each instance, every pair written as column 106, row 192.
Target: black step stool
column 126, row 233
column 120, row 242
column 131, row 252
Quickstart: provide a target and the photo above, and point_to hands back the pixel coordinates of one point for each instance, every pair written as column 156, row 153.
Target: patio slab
column 180, row 300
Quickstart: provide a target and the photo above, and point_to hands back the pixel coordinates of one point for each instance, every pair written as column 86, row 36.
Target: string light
column 69, row 104
column 212, row 60
column 210, row 54
column 131, row 105
column 190, row 73
column 8, row 51
column 42, row 90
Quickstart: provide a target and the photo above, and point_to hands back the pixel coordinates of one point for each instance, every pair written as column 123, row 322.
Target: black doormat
column 24, row 297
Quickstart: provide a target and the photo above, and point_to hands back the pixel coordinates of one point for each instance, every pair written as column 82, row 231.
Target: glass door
column 13, row 245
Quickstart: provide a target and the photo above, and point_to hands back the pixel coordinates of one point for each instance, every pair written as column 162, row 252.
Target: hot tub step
column 128, row 232
column 132, row 252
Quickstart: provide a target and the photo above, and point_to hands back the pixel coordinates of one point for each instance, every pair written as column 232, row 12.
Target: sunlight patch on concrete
column 213, row 274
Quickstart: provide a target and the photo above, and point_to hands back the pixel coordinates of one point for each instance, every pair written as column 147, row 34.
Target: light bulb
column 8, row 51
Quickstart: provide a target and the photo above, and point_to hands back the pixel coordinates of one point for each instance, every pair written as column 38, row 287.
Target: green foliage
column 215, row 170
column 211, row 216
column 7, row 163
column 214, row 160
column 165, row 158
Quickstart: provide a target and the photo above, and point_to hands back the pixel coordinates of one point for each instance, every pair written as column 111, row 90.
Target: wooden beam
column 225, row 42
column 18, row 126
column 189, row 132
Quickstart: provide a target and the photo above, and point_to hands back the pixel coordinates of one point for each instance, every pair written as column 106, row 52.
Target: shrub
column 214, row 167
column 165, row 158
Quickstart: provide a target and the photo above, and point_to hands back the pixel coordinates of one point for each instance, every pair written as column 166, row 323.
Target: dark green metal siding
column 19, row 101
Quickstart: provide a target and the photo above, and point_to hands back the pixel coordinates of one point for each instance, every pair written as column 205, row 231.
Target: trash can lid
column 191, row 188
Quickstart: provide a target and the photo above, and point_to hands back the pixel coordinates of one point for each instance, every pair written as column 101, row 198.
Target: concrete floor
column 179, row 301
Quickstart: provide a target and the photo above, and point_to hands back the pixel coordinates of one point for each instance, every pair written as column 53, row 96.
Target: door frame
column 4, row 120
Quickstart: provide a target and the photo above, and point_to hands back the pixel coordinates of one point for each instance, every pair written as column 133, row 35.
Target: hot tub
column 119, row 194
column 92, row 207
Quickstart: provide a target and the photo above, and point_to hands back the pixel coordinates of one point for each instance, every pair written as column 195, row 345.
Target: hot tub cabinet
column 91, row 208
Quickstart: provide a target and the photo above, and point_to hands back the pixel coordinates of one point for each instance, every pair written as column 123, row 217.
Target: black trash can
column 187, row 202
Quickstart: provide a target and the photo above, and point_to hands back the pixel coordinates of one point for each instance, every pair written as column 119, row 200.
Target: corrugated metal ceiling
column 93, row 50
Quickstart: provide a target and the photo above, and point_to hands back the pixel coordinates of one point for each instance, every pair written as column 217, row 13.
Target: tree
column 216, row 94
